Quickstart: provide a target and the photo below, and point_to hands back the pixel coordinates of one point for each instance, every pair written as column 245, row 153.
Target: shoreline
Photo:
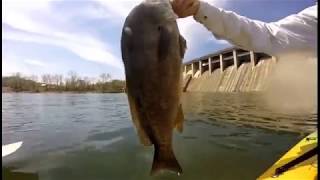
column 61, row 92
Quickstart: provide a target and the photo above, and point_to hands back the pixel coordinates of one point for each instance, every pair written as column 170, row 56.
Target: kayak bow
column 10, row 148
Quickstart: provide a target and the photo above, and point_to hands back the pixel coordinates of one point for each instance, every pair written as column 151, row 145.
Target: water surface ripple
column 91, row 137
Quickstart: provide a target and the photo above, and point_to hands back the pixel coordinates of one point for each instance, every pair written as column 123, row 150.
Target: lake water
column 91, row 137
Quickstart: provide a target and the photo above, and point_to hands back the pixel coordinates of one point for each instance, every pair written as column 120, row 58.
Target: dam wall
column 229, row 70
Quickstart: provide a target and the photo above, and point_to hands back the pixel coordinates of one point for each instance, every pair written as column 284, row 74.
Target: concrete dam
column 234, row 70
column 229, row 70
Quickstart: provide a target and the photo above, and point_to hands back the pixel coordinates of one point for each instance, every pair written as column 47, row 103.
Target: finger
column 176, row 9
column 175, row 5
column 187, row 3
column 190, row 10
column 184, row 8
column 194, row 8
column 178, row 3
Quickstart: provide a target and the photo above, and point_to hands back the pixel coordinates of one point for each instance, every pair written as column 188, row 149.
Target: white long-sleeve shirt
column 297, row 32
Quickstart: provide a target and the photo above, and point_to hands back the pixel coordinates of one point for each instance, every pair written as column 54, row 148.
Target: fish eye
column 128, row 31
column 159, row 28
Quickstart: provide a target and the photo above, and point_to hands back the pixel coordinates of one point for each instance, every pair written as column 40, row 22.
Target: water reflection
column 12, row 174
column 246, row 109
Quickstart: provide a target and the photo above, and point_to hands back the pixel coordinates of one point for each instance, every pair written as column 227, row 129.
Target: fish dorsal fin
column 179, row 120
column 136, row 118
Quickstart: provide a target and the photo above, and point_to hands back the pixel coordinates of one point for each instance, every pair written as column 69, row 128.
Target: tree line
column 58, row 83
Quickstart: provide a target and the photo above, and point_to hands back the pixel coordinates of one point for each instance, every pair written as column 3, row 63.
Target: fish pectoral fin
column 183, row 46
column 179, row 120
column 144, row 138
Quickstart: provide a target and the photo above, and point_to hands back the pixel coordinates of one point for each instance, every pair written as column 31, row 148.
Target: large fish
column 152, row 53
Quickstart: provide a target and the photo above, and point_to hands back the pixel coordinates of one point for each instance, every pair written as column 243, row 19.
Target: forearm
column 238, row 30
column 271, row 38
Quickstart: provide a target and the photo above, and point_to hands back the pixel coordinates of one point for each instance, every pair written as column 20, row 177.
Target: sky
column 59, row 36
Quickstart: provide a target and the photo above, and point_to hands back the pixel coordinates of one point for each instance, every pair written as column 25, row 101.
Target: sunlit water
column 91, row 137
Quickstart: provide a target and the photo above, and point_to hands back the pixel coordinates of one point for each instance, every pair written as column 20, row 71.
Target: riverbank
column 20, row 84
column 64, row 92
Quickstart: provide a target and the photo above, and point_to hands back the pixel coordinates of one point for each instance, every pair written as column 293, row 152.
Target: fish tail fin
column 164, row 159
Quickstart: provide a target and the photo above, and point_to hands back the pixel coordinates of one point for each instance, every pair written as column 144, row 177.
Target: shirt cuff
column 202, row 14
column 208, row 15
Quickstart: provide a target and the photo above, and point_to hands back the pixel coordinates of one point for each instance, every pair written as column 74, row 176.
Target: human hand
column 185, row 8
